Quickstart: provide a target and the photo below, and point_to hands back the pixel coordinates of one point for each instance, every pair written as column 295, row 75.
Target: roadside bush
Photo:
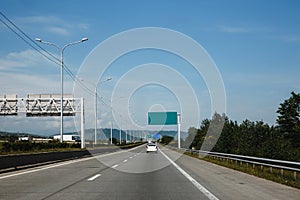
column 25, row 146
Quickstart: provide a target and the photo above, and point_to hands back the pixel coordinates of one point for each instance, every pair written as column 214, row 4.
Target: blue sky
column 254, row 44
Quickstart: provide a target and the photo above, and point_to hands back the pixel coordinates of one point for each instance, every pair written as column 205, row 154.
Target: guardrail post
column 271, row 170
column 281, row 172
column 295, row 175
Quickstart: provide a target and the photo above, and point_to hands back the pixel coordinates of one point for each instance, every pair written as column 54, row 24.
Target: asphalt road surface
column 135, row 174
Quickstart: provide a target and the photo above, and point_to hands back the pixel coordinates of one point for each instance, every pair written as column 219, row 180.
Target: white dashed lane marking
column 94, row 177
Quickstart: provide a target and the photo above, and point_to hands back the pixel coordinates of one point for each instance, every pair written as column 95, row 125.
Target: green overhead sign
column 149, row 136
column 162, row 118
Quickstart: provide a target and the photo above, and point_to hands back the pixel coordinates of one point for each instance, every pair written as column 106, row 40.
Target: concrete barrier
column 21, row 161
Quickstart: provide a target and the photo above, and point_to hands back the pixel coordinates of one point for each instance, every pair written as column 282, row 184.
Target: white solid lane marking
column 125, row 160
column 114, row 166
column 94, row 177
column 191, row 179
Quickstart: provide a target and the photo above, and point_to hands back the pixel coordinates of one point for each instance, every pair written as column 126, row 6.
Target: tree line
column 258, row 139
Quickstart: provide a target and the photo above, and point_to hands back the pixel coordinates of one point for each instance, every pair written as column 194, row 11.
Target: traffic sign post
column 178, row 129
column 165, row 118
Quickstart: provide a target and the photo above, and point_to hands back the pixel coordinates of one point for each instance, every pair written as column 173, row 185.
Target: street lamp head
column 38, row 39
column 109, row 78
column 84, row 39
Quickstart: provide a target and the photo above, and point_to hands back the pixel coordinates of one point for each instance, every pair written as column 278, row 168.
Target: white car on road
column 151, row 147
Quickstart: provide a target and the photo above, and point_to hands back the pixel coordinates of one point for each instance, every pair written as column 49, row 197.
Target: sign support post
column 178, row 129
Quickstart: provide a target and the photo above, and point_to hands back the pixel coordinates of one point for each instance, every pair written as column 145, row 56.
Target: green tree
column 200, row 135
column 190, row 138
column 213, row 131
column 166, row 139
column 288, row 118
column 228, row 140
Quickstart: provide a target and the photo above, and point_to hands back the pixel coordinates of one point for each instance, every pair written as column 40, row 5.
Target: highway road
column 135, row 174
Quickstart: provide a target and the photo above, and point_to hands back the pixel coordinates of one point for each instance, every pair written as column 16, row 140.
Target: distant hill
column 104, row 134
column 11, row 134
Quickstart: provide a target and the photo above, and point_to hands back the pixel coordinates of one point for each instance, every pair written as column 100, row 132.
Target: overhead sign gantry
column 49, row 105
column 165, row 118
column 43, row 105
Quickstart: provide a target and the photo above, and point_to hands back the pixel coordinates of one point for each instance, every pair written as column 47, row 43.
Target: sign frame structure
column 8, row 105
column 38, row 106
column 166, row 118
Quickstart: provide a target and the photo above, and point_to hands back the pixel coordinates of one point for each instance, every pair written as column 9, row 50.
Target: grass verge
column 285, row 177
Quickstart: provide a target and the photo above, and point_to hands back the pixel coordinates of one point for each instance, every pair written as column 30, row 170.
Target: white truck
column 68, row 138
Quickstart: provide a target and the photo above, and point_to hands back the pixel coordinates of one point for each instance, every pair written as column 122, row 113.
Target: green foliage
column 166, row 139
column 115, row 141
column 253, row 138
column 26, row 146
column 289, row 119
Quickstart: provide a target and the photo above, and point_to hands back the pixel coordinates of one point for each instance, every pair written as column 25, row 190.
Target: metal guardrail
column 263, row 162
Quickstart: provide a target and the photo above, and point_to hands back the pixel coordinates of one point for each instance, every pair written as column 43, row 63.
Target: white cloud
column 233, row 29
column 23, row 59
column 22, row 84
column 52, row 24
column 236, row 29
column 58, row 30
column 83, row 26
column 40, row 19
column 290, row 38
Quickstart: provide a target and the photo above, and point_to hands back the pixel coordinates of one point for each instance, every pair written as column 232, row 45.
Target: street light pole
column 61, row 51
column 95, row 115
column 95, row 103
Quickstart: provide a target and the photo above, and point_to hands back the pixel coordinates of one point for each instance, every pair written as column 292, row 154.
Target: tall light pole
column 61, row 51
column 111, row 133
column 120, row 135
column 96, row 96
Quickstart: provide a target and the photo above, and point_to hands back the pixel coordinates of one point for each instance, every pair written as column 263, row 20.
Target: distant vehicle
column 152, row 147
column 25, row 138
column 68, row 138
